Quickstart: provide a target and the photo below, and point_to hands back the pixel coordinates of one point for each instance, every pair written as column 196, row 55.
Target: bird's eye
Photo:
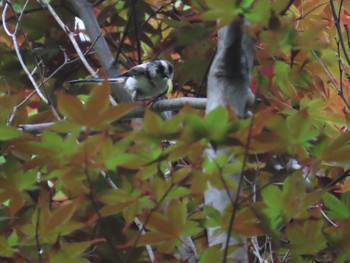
column 158, row 71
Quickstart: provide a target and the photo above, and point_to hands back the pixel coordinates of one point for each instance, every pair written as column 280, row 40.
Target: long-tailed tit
column 143, row 81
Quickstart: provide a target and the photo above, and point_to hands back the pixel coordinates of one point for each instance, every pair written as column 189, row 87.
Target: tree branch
column 337, row 26
column 229, row 85
column 334, row 83
column 45, row 4
column 19, row 55
column 137, row 221
column 229, row 76
column 158, row 106
column 86, row 14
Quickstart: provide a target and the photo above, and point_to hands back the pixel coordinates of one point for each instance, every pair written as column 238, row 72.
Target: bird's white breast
column 141, row 87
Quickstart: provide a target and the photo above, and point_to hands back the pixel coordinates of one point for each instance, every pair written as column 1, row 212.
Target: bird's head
column 160, row 69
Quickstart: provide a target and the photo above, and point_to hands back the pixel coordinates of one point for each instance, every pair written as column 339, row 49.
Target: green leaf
column 177, row 214
column 13, row 239
column 337, row 209
column 306, row 238
column 5, row 249
column 260, row 12
column 225, row 10
column 339, row 141
column 214, row 216
column 212, row 254
column 217, row 116
column 152, row 123
column 282, row 71
column 217, row 125
column 72, row 251
column 301, row 127
column 179, row 192
column 273, row 198
column 280, row 5
column 9, row 133
column 246, row 4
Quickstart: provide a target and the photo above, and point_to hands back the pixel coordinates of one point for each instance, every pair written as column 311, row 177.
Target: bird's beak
column 170, row 86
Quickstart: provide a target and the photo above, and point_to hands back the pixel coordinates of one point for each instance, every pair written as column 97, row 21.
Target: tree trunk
column 229, row 85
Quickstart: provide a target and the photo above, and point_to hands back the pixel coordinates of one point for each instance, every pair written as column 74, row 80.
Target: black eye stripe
column 160, row 68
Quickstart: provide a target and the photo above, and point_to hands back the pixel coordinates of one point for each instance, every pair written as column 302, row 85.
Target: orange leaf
column 99, row 100
column 161, row 224
column 61, row 215
column 71, row 107
column 116, row 112
column 246, row 223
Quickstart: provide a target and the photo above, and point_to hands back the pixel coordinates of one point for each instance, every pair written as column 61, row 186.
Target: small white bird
column 143, row 81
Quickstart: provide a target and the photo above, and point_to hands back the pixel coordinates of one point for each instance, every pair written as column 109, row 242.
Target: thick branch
column 229, row 75
column 158, row 106
column 86, row 14
column 229, row 85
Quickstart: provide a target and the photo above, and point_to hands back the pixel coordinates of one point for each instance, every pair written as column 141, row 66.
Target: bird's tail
column 97, row 80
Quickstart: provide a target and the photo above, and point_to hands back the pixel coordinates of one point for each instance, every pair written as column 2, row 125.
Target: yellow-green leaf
column 9, row 133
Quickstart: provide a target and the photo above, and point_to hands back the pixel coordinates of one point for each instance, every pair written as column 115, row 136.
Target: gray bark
column 229, row 85
column 106, row 58
column 229, row 75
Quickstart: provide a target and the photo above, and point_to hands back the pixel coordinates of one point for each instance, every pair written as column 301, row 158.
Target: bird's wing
column 138, row 70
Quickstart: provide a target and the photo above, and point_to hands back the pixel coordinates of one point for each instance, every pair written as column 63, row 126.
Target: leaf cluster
column 73, row 191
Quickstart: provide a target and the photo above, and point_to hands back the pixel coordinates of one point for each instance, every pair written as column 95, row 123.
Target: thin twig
column 114, row 251
column 284, row 259
column 337, row 25
column 122, row 41
column 340, row 68
column 37, row 236
column 138, row 41
column 66, row 61
column 283, row 12
column 70, row 34
column 328, row 219
column 347, row 34
column 339, row 10
column 302, row 16
column 324, row 67
column 171, row 187
column 239, row 188
column 15, row 109
column 256, row 249
column 19, row 55
column 42, row 84
column 137, row 221
column 205, row 76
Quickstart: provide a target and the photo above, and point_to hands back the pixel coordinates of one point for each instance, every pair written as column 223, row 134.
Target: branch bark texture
column 229, row 85
column 229, row 75
column 106, row 58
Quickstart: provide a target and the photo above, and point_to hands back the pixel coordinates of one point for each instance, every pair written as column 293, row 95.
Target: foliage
column 73, row 191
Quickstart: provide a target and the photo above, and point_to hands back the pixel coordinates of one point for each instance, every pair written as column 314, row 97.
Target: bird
column 144, row 81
